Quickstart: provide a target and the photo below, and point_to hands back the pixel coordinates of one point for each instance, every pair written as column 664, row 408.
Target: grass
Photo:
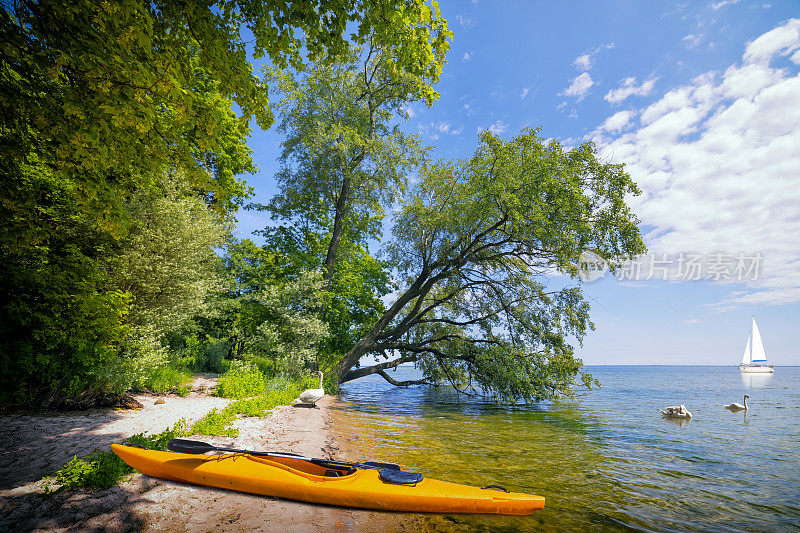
column 242, row 380
column 217, row 422
column 103, row 469
column 168, row 379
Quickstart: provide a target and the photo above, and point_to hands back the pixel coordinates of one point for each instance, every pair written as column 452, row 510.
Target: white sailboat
column 755, row 358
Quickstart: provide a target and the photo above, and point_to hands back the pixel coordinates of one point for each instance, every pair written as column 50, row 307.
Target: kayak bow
column 297, row 479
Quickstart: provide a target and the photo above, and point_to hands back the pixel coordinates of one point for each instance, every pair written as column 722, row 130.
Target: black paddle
column 194, row 446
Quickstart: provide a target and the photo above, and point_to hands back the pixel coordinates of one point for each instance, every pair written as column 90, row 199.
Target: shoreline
column 35, row 445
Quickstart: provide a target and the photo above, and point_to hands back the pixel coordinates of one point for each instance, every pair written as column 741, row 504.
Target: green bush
column 260, row 405
column 216, row 423
column 266, row 364
column 169, row 378
column 279, row 391
column 242, row 380
column 202, row 355
column 103, row 469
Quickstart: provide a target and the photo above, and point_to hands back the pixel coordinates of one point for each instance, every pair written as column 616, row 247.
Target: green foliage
column 272, row 322
column 125, row 89
column 242, row 380
column 475, row 243
column 60, row 318
column 168, row 378
column 343, row 159
column 215, row 423
column 206, row 355
column 278, row 391
column 167, row 260
column 103, row 469
column 87, row 312
column 354, row 302
column 98, row 470
column 291, row 328
column 259, row 405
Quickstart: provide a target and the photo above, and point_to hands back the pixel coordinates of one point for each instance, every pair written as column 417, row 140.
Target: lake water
column 607, row 460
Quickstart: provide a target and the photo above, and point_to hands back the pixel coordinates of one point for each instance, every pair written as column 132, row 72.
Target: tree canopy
column 344, row 156
column 481, row 246
column 99, row 101
column 106, row 93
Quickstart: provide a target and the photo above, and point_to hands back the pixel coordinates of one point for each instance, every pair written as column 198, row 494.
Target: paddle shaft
column 197, row 447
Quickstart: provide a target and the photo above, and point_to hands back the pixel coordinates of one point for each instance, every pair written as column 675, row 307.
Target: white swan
column 738, row 406
column 676, row 411
column 311, row 396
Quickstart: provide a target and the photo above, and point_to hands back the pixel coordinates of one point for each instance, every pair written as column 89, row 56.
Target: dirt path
column 37, row 445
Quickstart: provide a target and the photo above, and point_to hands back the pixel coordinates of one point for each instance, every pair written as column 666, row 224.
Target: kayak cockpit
column 303, row 468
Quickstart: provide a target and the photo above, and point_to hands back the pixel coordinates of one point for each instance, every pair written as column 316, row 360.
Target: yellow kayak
column 299, row 479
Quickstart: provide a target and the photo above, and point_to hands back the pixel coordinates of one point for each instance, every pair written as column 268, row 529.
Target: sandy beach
column 35, row 445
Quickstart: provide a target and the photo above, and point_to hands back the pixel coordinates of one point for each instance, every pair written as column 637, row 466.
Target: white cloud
column 466, row 57
column 617, row 121
column 498, row 127
column 584, row 62
column 693, row 40
column 465, row 21
column 579, row 87
column 408, row 110
column 718, row 161
column 628, row 88
column 782, row 40
column 723, row 3
column 434, row 130
column 524, row 92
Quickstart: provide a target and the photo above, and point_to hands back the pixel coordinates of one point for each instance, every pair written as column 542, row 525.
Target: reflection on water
column 606, row 461
column 676, row 421
column 755, row 381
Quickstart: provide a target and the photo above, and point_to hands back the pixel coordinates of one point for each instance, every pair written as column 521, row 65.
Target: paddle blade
column 189, row 446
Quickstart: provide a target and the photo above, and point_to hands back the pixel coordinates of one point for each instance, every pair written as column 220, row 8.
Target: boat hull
column 298, row 480
column 756, row 369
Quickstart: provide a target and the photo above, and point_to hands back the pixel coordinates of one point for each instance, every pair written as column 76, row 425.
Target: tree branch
column 374, row 369
column 406, row 383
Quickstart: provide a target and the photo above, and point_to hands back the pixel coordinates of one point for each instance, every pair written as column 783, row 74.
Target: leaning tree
column 487, row 250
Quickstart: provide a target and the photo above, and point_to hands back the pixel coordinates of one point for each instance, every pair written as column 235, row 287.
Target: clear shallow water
column 607, row 460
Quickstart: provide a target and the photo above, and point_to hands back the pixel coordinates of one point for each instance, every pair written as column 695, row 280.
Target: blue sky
column 700, row 100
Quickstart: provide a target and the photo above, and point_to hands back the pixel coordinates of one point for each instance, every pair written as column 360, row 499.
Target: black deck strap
column 333, row 473
column 398, row 477
column 498, row 487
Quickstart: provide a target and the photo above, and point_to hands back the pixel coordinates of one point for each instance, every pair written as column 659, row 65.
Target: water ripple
column 602, row 467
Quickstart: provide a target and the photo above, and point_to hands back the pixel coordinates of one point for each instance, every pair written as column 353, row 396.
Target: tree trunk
column 367, row 342
column 333, row 246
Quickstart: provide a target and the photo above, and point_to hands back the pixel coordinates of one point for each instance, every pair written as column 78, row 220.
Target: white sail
column 746, row 356
column 758, row 346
